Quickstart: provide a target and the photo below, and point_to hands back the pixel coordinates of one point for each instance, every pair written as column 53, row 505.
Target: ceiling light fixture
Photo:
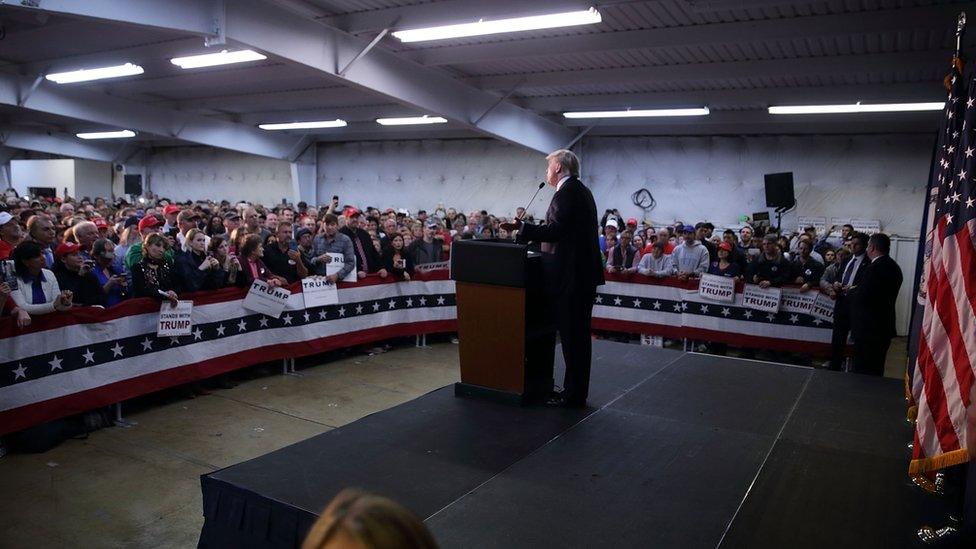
column 857, row 108
column 516, row 24
column 100, row 73
column 409, row 120
column 337, row 123
column 119, row 134
column 639, row 113
column 222, row 57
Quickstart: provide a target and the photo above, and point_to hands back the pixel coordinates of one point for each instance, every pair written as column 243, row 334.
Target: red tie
column 362, row 253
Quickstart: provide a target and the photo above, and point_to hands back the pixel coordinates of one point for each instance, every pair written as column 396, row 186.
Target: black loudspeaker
column 133, row 183
column 779, row 190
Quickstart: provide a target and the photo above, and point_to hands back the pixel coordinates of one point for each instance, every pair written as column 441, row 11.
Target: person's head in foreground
column 358, row 520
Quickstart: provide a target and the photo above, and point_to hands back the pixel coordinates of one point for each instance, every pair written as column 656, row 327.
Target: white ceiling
column 736, row 57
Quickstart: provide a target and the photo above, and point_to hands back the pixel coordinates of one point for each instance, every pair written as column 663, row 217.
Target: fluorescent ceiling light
column 107, row 135
column 516, row 24
column 85, row 75
column 635, row 113
column 338, row 123
column 857, row 108
column 222, row 57
column 408, row 120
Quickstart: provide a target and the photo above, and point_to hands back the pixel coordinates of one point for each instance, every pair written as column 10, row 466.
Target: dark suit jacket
column 873, row 300
column 571, row 236
column 373, row 259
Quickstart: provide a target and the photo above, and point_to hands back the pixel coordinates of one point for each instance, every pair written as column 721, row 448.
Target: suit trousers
column 574, row 316
column 838, row 337
column 869, row 354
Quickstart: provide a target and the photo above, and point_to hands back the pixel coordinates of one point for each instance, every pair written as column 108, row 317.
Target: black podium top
column 492, row 261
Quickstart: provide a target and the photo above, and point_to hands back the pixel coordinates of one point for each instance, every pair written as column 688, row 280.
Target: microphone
column 526, row 210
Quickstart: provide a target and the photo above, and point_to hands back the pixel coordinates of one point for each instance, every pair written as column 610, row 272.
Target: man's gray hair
column 567, row 159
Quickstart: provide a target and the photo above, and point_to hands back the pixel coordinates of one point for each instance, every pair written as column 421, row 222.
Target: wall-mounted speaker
column 133, row 183
column 779, row 190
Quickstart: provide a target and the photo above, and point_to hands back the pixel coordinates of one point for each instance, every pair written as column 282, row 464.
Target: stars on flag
column 174, row 340
column 409, row 302
column 56, row 363
column 599, row 299
column 617, row 301
column 323, row 314
column 440, row 300
column 423, row 301
column 771, row 316
column 263, row 322
column 117, row 350
column 342, row 311
column 286, row 319
column 147, row 344
column 747, row 314
column 242, row 326
column 220, row 329
column 677, row 307
column 704, row 308
column 20, row 372
column 657, row 305
column 969, row 152
column 794, row 319
column 89, row 356
column 969, row 202
column 197, row 334
column 637, row 303
column 359, row 310
column 392, row 304
column 376, row 306
column 725, row 311
column 306, row 316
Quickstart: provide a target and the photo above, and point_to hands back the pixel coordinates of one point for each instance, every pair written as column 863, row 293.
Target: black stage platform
column 677, row 450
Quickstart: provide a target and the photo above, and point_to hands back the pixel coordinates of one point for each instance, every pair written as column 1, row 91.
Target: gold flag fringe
column 948, row 459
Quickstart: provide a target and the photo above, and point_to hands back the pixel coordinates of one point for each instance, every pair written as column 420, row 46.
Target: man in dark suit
column 368, row 260
column 873, row 307
column 572, row 269
column 850, row 277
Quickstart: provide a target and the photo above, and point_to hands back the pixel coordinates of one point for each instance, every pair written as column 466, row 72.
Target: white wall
column 721, row 178
column 691, row 178
column 92, row 178
column 43, row 173
column 201, row 172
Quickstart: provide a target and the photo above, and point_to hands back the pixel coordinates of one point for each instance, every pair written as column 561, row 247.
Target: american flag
column 944, row 367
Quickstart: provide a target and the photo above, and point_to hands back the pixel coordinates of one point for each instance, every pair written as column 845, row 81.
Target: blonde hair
column 375, row 522
column 567, row 159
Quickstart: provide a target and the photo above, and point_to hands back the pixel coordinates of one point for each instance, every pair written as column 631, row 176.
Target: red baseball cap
column 171, row 209
column 725, row 246
column 351, row 212
column 66, row 248
column 148, row 222
column 100, row 223
column 632, row 221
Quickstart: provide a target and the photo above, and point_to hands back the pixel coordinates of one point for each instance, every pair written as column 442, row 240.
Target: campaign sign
column 175, row 321
column 792, row 300
column 759, row 299
column 318, row 291
column 823, row 307
column 264, row 299
column 717, row 288
column 335, row 263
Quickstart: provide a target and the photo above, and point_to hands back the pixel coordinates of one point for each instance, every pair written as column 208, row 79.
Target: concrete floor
column 140, row 487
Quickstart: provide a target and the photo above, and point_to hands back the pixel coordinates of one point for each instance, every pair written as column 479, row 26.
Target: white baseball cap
column 5, row 218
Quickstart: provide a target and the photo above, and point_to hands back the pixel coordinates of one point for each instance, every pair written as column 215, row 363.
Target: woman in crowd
column 366, row 521
column 397, row 260
column 153, row 276
column 220, row 249
column 109, row 272
column 784, row 247
column 639, row 243
column 195, row 268
column 253, row 267
column 37, row 290
column 724, row 266
column 74, row 274
column 129, row 236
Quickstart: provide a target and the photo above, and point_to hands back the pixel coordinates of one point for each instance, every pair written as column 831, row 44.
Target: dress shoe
column 562, row 402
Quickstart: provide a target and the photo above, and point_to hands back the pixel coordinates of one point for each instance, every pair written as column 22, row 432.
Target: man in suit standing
column 572, row 269
column 873, row 307
column 850, row 277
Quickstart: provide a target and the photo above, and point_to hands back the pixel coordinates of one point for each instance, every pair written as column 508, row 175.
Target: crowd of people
column 95, row 253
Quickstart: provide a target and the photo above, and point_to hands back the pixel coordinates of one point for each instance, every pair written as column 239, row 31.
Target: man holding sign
column 332, row 241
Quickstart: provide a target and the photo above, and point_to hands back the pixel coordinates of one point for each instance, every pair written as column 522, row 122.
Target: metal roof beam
column 309, row 43
column 699, row 72
column 115, row 112
column 63, row 145
column 903, row 19
column 749, row 97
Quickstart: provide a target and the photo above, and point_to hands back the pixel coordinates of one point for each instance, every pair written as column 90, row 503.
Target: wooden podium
column 506, row 338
